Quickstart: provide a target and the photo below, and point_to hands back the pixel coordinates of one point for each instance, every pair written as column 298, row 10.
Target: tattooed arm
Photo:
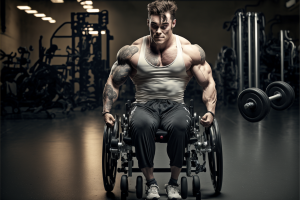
column 119, row 73
column 203, row 74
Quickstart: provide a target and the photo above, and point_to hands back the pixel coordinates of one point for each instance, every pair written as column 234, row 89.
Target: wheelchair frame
column 118, row 145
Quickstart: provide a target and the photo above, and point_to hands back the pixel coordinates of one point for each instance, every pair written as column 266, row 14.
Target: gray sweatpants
column 145, row 119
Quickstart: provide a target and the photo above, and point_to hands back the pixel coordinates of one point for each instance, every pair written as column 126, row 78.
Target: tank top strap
column 142, row 54
column 144, row 46
column 178, row 44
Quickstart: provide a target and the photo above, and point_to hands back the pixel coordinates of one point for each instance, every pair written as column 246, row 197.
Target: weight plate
column 262, row 104
column 286, row 91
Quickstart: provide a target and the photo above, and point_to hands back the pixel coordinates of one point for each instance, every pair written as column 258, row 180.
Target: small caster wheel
column 139, row 187
column 124, row 187
column 196, row 187
column 184, row 187
column 123, row 195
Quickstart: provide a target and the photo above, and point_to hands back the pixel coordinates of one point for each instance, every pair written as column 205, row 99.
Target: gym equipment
column 40, row 88
column 118, row 145
column 254, row 104
column 86, row 60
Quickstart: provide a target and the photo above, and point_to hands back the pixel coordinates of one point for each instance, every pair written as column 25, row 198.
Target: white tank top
column 167, row 82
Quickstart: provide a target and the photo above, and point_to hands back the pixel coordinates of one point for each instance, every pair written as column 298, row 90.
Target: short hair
column 160, row 7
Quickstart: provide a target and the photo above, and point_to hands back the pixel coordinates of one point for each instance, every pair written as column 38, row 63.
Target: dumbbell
column 254, row 104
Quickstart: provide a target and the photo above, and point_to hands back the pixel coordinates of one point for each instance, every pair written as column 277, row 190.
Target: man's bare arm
column 203, row 74
column 120, row 71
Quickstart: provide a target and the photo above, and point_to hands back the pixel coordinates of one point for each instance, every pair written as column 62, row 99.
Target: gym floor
column 61, row 158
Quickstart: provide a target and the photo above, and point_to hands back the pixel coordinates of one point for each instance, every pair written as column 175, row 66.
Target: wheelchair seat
column 161, row 136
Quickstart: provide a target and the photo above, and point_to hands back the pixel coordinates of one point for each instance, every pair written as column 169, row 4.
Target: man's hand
column 109, row 119
column 207, row 119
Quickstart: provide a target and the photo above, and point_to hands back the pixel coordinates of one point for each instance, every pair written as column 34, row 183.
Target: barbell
column 254, row 104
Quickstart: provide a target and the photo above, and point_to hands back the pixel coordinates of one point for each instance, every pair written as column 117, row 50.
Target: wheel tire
column 184, row 187
column 215, row 157
column 196, row 186
column 109, row 165
column 123, row 196
column 124, row 187
column 139, row 187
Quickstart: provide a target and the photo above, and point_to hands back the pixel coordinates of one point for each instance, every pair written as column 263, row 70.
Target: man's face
column 160, row 31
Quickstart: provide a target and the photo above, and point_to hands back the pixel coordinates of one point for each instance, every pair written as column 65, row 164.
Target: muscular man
column 160, row 65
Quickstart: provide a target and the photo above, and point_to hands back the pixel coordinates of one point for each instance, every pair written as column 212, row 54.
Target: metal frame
column 240, row 27
column 78, row 23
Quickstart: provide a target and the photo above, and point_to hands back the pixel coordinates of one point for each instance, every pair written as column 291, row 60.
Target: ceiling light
column 40, row 15
column 103, row 32
column 46, row 18
column 92, row 10
column 88, row 2
column 31, row 11
column 57, row 1
column 52, row 21
column 82, row 3
column 24, row 7
column 90, row 29
column 88, row 7
column 93, row 32
column 78, row 1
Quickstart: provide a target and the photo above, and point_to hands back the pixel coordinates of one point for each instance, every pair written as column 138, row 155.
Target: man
column 160, row 65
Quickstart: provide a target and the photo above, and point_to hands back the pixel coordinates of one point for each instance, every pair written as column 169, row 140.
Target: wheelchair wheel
column 139, row 187
column 215, row 157
column 124, row 187
column 109, row 165
column 184, row 187
column 196, row 187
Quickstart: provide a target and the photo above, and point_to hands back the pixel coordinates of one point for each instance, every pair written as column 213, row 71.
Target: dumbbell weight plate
column 261, row 100
column 287, row 95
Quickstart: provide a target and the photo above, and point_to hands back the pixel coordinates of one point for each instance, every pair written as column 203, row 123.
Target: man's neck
column 162, row 47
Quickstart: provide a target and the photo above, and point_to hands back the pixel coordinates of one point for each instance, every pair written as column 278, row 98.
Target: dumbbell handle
column 276, row 96
column 251, row 104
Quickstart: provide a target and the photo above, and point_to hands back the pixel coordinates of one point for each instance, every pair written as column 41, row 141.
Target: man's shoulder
column 192, row 50
column 138, row 42
column 184, row 41
column 186, row 45
column 126, row 53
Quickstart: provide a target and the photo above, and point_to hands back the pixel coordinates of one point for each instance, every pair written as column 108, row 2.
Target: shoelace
column 173, row 189
column 153, row 188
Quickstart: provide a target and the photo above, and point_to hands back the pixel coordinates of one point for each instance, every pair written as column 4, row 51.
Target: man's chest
column 162, row 59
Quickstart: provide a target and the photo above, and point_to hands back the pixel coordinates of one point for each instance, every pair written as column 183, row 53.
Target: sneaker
column 172, row 192
column 152, row 192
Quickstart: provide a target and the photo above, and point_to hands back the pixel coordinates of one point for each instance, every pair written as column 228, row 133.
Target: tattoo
column 202, row 53
column 120, row 74
column 125, row 53
column 152, row 57
column 113, row 68
column 109, row 95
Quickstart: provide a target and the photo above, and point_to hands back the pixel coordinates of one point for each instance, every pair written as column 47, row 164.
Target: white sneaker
column 152, row 192
column 172, row 192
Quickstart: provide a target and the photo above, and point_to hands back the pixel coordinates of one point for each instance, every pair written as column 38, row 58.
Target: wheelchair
column 117, row 144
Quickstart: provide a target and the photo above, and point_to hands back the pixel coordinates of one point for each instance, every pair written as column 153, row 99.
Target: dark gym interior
column 53, row 73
